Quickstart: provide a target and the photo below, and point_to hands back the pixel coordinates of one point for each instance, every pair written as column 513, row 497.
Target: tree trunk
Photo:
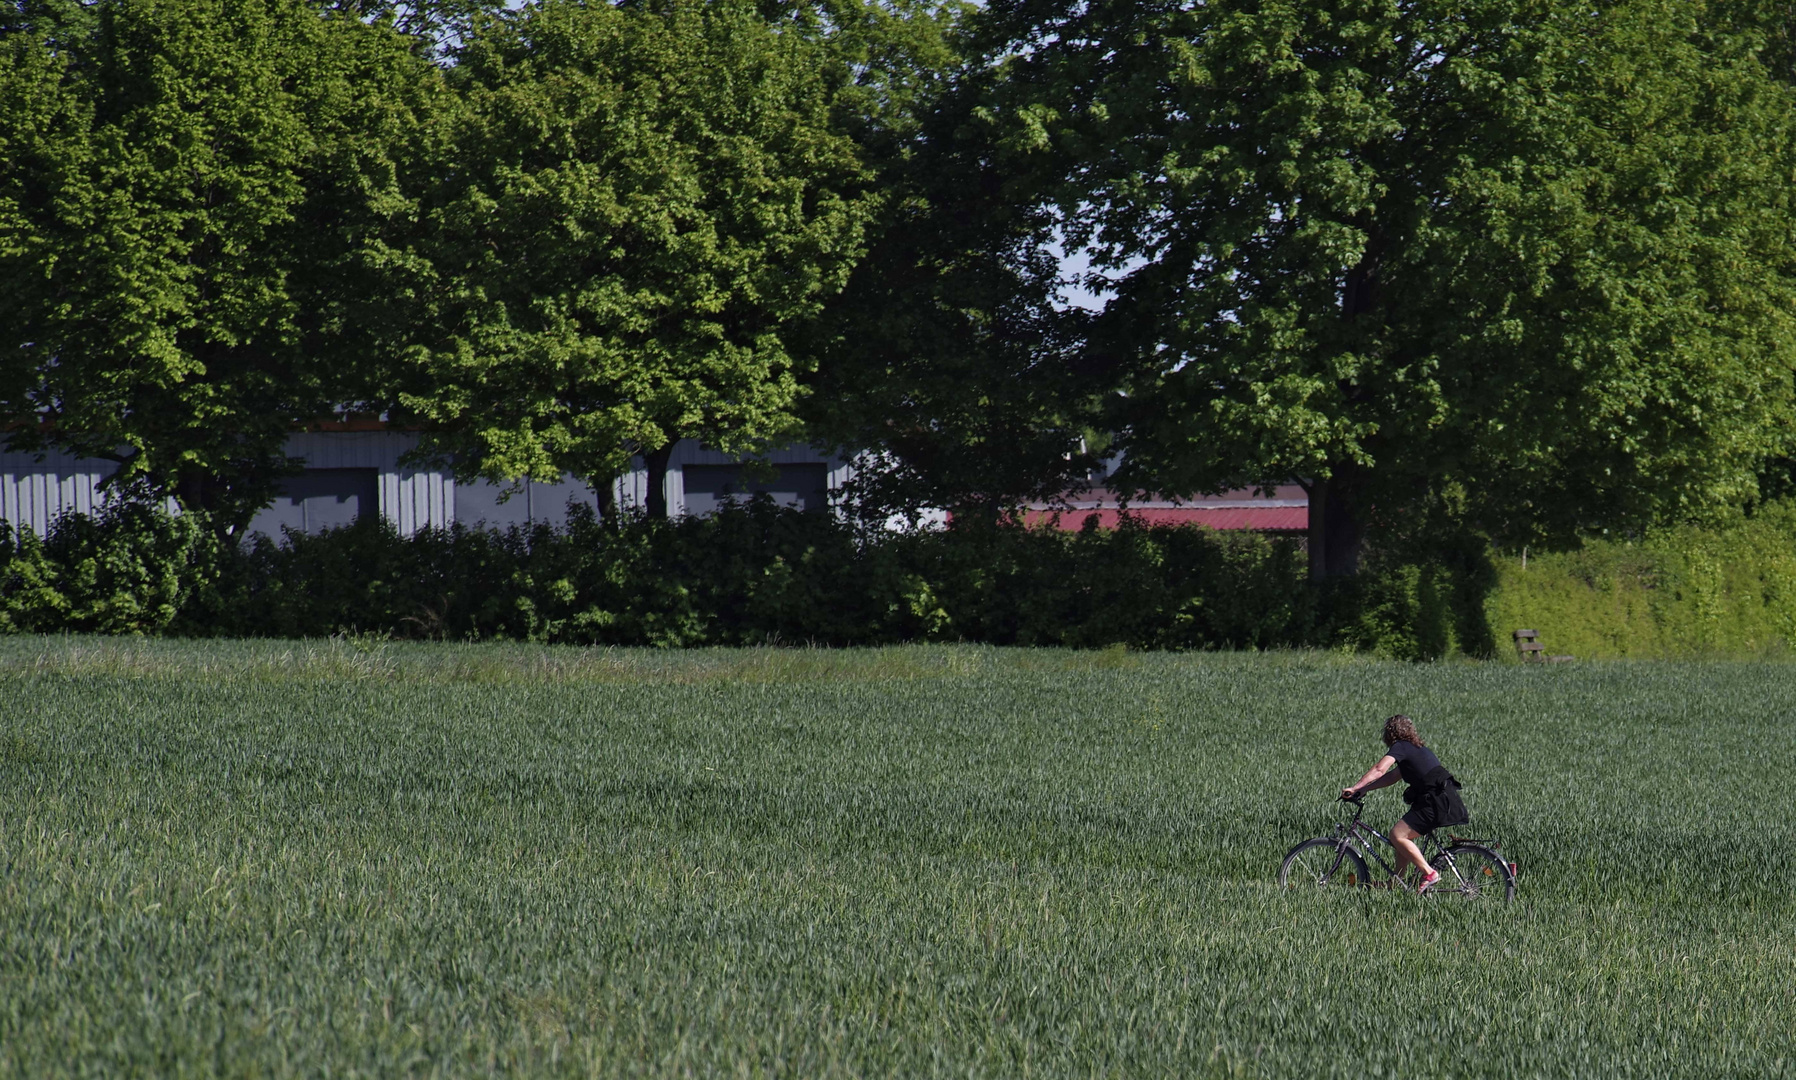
column 656, row 463
column 1337, row 518
column 605, row 492
column 1337, row 526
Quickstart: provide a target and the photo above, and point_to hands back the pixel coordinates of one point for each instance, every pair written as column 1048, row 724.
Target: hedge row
column 760, row 574
column 753, row 574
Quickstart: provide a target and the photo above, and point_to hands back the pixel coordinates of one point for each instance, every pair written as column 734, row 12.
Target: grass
column 352, row 858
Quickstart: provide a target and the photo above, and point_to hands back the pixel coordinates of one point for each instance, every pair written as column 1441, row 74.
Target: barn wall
column 410, row 498
column 479, row 502
column 33, row 492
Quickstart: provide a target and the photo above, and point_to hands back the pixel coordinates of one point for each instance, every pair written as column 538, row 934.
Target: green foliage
column 190, row 201
column 750, row 575
column 1417, row 601
column 434, row 27
column 948, row 354
column 359, row 858
column 760, row 574
column 1678, row 592
column 131, row 570
column 222, row 220
column 882, row 61
column 1520, row 256
column 636, row 203
column 1536, row 249
column 1149, row 588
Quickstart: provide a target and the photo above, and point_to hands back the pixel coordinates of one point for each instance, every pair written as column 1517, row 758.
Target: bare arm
column 1379, row 775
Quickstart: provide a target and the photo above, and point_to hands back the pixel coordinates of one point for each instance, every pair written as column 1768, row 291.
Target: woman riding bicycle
column 1432, row 795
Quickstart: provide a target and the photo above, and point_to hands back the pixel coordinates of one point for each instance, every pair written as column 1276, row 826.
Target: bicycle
column 1470, row 869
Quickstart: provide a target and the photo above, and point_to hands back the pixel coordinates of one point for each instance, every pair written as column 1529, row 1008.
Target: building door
column 319, row 499
column 709, row 486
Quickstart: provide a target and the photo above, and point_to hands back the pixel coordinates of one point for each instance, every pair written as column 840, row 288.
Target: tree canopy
column 188, row 216
column 1527, row 260
column 640, row 202
column 949, row 358
column 1523, row 268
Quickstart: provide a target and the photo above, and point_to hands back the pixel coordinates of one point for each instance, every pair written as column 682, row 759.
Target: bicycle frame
column 1356, row 833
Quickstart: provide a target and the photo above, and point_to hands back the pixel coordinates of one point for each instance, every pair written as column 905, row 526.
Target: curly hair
column 1401, row 728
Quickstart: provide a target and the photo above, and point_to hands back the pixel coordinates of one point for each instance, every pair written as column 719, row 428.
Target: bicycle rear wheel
column 1322, row 861
column 1475, row 872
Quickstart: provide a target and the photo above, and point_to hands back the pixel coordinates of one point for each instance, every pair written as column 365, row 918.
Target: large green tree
column 190, row 197
column 950, row 358
column 642, row 200
column 1526, row 260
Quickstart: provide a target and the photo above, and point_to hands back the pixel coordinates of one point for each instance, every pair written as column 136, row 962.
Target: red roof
column 1285, row 510
column 1268, row 518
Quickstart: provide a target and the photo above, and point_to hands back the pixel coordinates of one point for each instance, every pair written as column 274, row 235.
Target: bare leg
column 1403, row 841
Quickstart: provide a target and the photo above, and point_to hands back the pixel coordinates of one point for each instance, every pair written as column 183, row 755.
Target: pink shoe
column 1433, row 878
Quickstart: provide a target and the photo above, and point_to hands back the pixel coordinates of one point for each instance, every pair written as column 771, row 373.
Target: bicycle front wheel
column 1473, row 872
column 1322, row 861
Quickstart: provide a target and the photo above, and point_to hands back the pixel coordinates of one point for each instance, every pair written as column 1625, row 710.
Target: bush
column 760, row 574
column 1679, row 592
column 131, row 570
column 750, row 574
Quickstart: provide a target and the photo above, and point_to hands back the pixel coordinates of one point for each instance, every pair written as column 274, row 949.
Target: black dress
column 1433, row 793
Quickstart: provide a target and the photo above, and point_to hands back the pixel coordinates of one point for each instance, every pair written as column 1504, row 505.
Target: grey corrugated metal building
column 350, row 473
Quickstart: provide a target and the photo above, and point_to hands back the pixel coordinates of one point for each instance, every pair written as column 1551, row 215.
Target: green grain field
column 352, row 858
